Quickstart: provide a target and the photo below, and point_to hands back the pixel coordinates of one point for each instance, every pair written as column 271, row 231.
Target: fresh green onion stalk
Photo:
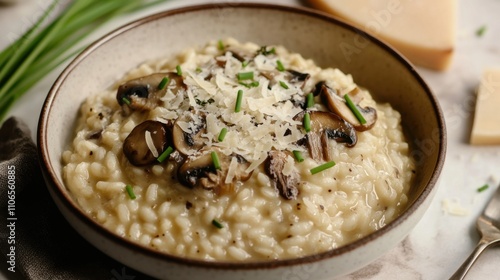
column 51, row 41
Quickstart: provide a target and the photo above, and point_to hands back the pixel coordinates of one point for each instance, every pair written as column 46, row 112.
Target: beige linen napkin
column 37, row 242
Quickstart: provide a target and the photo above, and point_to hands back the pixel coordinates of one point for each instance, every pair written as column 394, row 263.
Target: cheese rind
column 486, row 125
column 423, row 31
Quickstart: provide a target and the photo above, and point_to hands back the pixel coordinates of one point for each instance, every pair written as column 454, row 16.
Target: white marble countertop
column 440, row 242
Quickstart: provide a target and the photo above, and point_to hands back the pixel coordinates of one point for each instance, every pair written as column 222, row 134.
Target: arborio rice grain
column 243, row 220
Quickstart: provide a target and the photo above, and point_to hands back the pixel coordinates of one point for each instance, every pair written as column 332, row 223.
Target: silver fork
column 488, row 225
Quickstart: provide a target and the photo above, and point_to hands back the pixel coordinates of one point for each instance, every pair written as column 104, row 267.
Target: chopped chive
column 163, row 83
column 307, row 122
column 126, row 101
column 198, row 70
column 483, row 188
column 322, row 167
column 280, row 66
column 480, row 31
column 245, row 63
column 222, row 134
column 165, row 154
column 237, row 106
column 130, row 191
column 179, row 70
column 309, row 100
column 245, row 76
column 215, row 160
column 354, row 109
column 217, row 224
column 220, row 45
column 298, row 156
column 284, row 85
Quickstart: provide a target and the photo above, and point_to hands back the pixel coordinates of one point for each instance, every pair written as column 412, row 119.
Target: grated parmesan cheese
column 150, row 143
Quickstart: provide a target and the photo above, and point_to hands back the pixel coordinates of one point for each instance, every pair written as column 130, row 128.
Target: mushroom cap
column 144, row 93
column 199, row 170
column 188, row 143
column 286, row 185
column 136, row 147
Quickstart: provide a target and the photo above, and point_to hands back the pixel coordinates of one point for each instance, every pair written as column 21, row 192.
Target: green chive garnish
column 237, row 107
column 198, row 70
column 250, row 85
column 245, row 76
column 165, row 154
column 480, row 32
column 179, row 70
column 163, row 83
column 245, row 63
column 215, row 160
column 307, row 122
column 220, row 45
column 483, row 188
column 354, row 109
column 309, row 100
column 298, row 156
column 126, row 101
column 283, row 85
column 130, row 191
column 222, row 134
column 322, row 167
column 280, row 66
column 217, row 224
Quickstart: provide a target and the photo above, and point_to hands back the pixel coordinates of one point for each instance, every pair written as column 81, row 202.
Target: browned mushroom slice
column 189, row 142
column 144, row 93
column 287, row 185
column 297, row 78
column 337, row 104
column 146, row 142
column 326, row 126
column 199, row 171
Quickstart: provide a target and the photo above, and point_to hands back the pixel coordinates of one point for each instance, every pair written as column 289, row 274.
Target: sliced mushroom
column 144, row 94
column 286, row 185
column 241, row 54
column 291, row 77
column 146, row 142
column 199, row 171
column 339, row 106
column 188, row 143
column 326, row 126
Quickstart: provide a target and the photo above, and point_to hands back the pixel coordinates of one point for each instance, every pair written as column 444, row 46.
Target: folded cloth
column 37, row 241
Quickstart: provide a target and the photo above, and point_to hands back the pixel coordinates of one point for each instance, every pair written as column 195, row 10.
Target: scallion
column 298, row 155
column 179, row 70
column 220, row 45
column 215, row 159
column 245, row 76
column 244, row 63
column 322, row 167
column 354, row 109
column 165, row 154
column 163, row 83
column 237, row 106
column 217, row 224
column 222, row 134
column 279, row 66
column 130, row 191
column 284, row 85
column 309, row 100
column 483, row 188
column 52, row 40
column 198, row 70
column 307, row 122
column 250, row 85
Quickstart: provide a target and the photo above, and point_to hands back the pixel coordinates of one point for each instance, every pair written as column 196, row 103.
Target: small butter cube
column 486, row 126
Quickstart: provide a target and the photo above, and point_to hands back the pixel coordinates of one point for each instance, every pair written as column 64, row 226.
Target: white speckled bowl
column 329, row 42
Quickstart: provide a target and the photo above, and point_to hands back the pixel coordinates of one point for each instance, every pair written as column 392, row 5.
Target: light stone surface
column 440, row 242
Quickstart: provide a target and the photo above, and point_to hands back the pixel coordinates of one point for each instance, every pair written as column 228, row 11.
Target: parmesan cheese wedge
column 423, row 30
column 486, row 125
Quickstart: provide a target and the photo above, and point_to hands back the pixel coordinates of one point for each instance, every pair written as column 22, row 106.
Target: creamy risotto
column 238, row 152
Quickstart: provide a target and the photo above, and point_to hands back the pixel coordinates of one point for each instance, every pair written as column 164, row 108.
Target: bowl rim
column 57, row 189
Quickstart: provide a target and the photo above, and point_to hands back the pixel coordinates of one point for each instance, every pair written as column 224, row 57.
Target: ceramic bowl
column 330, row 42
